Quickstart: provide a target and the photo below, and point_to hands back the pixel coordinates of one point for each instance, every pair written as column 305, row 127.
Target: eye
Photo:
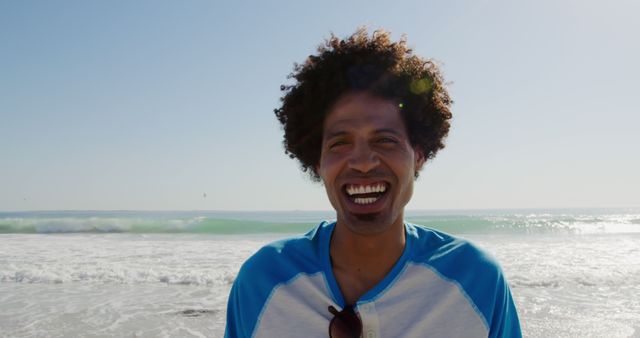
column 335, row 144
column 386, row 140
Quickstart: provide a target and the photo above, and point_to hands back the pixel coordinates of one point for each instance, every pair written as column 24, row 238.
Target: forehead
column 363, row 112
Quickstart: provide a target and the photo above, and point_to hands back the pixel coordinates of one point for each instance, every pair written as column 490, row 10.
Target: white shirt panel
column 422, row 304
column 304, row 302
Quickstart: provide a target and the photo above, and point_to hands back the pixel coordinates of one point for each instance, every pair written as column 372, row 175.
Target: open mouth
column 364, row 194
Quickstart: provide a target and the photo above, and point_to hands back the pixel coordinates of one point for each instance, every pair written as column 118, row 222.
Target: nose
column 363, row 158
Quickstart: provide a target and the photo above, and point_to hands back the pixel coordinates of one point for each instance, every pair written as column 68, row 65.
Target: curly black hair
column 361, row 63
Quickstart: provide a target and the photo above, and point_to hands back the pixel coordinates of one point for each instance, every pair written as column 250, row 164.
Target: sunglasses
column 345, row 323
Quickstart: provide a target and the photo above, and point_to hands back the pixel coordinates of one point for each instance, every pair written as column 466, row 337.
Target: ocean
column 573, row 273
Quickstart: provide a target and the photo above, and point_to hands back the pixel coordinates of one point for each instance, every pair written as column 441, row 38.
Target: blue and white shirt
column 441, row 286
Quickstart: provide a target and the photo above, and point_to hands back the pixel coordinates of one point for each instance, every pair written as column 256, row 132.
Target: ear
column 420, row 159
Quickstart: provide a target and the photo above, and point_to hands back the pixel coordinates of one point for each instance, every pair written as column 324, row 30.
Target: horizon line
column 313, row 210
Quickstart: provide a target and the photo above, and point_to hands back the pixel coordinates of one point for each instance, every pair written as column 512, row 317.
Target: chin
column 368, row 224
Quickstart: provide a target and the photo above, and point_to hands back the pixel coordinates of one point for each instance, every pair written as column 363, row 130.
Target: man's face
column 367, row 163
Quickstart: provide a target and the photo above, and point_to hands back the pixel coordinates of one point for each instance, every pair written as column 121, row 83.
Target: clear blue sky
column 150, row 104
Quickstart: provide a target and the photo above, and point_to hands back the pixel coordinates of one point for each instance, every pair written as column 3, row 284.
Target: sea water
column 573, row 273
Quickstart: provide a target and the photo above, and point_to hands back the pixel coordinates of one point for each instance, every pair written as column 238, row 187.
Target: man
column 364, row 116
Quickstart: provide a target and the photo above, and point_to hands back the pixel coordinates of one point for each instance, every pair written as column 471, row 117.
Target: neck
column 373, row 252
column 359, row 262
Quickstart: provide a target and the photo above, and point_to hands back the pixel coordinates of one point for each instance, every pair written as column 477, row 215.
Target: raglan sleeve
column 248, row 295
column 505, row 322
column 236, row 325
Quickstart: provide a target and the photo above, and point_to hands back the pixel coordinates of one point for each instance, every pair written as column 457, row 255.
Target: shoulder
column 281, row 260
column 473, row 270
column 451, row 256
column 273, row 265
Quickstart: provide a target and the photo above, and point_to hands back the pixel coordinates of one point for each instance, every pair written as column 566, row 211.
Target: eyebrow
column 334, row 134
column 387, row 130
column 339, row 133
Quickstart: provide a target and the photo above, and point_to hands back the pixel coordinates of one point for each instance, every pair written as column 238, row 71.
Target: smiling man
column 364, row 116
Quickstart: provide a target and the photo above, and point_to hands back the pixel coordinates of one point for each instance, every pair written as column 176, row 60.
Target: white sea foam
column 72, row 285
column 572, row 286
column 121, row 258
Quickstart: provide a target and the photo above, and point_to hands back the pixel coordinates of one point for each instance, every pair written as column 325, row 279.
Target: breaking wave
column 457, row 222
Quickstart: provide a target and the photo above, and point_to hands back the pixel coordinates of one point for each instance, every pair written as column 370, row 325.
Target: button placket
column 370, row 322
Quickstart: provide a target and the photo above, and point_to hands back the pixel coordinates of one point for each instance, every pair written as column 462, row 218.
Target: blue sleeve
column 248, row 294
column 257, row 278
column 271, row 266
column 505, row 322
column 234, row 327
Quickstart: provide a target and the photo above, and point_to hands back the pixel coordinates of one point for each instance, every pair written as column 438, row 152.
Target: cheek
column 332, row 193
column 328, row 166
column 405, row 172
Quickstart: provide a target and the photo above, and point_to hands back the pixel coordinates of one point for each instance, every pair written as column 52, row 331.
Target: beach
column 572, row 273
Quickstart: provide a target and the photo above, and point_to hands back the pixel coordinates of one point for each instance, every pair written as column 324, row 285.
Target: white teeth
column 352, row 189
column 361, row 189
column 368, row 200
